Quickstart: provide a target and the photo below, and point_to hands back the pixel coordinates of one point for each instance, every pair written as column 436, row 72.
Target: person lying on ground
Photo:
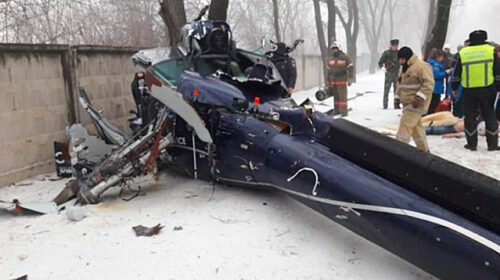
column 442, row 123
column 446, row 124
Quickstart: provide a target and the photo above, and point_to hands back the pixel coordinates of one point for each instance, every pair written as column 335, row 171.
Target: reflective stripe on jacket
column 477, row 66
column 418, row 80
column 339, row 68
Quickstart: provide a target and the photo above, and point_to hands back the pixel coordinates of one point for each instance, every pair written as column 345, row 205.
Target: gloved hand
column 416, row 102
column 448, row 71
column 290, row 90
column 349, row 82
column 455, row 93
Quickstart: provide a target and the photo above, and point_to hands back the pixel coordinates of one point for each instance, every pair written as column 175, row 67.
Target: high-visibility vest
column 477, row 66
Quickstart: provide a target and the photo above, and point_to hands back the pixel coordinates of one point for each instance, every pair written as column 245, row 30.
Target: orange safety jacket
column 339, row 69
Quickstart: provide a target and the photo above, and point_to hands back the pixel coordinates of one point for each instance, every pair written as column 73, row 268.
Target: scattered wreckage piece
column 75, row 213
column 87, row 150
column 15, row 206
column 107, row 131
column 141, row 230
column 121, row 164
column 62, row 160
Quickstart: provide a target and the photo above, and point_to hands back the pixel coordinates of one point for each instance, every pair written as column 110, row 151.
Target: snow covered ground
column 227, row 233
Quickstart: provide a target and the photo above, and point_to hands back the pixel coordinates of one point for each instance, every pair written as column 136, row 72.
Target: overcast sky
column 473, row 15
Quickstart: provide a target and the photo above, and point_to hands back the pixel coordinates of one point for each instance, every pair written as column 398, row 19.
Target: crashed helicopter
column 215, row 112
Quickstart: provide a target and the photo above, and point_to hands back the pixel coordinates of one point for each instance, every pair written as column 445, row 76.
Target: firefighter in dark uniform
column 478, row 71
column 286, row 66
column 389, row 60
column 340, row 74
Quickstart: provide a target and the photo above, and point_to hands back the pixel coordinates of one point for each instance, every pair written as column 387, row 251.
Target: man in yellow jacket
column 416, row 83
column 478, row 71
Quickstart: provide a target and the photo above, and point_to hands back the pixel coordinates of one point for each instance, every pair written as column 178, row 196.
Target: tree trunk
column 218, row 10
column 332, row 34
column 440, row 29
column 351, row 28
column 353, row 39
column 431, row 19
column 174, row 16
column 392, row 8
column 321, row 38
column 276, row 21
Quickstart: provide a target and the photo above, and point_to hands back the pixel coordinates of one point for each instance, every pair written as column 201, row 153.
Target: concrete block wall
column 309, row 71
column 38, row 97
column 32, row 112
column 107, row 79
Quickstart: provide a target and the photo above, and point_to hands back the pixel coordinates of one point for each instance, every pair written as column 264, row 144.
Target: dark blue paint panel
column 250, row 151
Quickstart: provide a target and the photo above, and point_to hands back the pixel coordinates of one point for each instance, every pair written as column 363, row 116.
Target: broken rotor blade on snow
column 38, row 208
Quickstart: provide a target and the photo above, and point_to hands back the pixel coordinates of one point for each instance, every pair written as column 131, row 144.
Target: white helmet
column 447, row 46
column 335, row 44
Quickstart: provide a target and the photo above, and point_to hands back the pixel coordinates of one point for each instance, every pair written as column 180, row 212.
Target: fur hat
column 478, row 36
column 405, row 52
column 394, row 42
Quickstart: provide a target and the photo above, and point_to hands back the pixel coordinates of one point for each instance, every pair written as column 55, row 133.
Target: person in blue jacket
column 436, row 59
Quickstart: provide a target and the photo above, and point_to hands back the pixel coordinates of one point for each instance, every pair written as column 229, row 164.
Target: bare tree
column 332, row 21
column 392, row 8
column 105, row 22
column 350, row 21
column 218, row 10
column 440, row 27
column 373, row 18
column 321, row 37
column 276, row 20
column 431, row 19
column 174, row 15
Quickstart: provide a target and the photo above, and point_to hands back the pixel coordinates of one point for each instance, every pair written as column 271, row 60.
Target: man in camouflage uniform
column 389, row 60
column 340, row 74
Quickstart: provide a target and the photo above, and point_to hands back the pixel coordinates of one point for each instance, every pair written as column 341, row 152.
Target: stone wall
column 38, row 97
column 309, row 71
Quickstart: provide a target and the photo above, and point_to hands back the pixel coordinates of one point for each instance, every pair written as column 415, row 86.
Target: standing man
column 286, row 66
column 340, row 75
column 389, row 60
column 416, row 84
column 478, row 71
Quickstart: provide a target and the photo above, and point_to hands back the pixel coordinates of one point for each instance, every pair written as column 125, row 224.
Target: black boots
column 470, row 147
column 492, row 139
